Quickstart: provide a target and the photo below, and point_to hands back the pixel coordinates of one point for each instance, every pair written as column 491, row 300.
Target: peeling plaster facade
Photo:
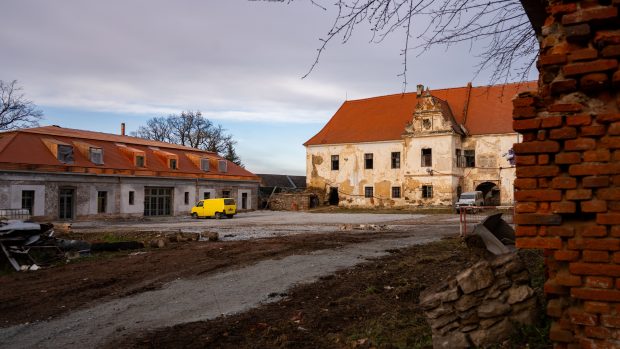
column 431, row 130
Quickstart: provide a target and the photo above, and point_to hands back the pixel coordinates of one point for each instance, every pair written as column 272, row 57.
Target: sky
column 94, row 64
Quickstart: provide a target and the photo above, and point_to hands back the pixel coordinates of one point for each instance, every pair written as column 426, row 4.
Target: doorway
column 157, row 201
column 490, row 193
column 66, row 203
column 333, row 196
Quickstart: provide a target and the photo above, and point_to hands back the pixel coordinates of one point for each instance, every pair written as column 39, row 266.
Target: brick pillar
column 568, row 171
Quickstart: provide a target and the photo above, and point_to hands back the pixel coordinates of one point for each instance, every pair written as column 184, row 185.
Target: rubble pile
column 480, row 306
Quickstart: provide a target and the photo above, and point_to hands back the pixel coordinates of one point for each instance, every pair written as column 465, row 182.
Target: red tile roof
column 384, row 118
column 26, row 149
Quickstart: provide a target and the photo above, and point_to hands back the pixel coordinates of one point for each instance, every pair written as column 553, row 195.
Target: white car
column 470, row 198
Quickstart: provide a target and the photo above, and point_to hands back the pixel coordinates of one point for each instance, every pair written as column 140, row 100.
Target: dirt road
column 202, row 295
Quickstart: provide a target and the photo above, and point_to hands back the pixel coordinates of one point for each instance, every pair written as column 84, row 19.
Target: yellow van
column 217, row 208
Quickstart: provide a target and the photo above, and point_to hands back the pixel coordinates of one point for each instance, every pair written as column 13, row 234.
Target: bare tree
column 15, row 110
column 502, row 28
column 190, row 129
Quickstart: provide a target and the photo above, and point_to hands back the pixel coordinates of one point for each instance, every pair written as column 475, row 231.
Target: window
column 28, row 200
column 102, row 201
column 244, row 201
column 186, row 198
column 396, row 192
column 368, row 192
column 204, row 164
column 96, row 156
column 460, row 159
column 200, row 204
column 470, row 158
column 427, row 158
column 427, row 191
column 225, row 193
column 173, row 164
column 426, row 124
column 206, row 195
column 335, row 162
column 222, row 166
column 368, row 161
column 395, row 159
column 132, row 197
column 65, row 153
column 139, row 161
column 157, row 201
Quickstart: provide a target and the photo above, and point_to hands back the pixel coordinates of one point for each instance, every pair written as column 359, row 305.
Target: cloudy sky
column 94, row 64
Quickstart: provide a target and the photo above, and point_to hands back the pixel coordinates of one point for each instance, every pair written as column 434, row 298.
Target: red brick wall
column 568, row 171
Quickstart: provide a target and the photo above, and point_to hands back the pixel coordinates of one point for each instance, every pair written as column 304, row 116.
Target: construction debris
column 497, row 235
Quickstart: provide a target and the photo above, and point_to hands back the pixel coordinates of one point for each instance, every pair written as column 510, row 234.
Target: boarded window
column 396, row 159
column 368, row 161
column 396, row 192
column 470, row 158
column 102, row 201
column 222, row 166
column 368, row 192
column 204, row 164
column 335, row 162
column 132, row 197
column 427, row 191
column 65, row 153
column 244, row 201
column 96, row 156
column 206, row 195
column 28, row 200
column 427, row 158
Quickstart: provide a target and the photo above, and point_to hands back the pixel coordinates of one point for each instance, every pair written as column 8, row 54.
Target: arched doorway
column 490, row 193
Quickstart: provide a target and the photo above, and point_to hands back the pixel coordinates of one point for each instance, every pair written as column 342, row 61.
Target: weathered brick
column 580, row 144
column 594, row 130
column 608, row 193
column 615, row 231
column 564, row 183
column 598, row 155
column 583, row 54
column 566, row 256
column 597, row 332
column 537, row 147
column 558, row 334
column 566, row 279
column 544, row 159
column 596, row 307
column 599, row 282
column 608, row 117
column 563, row 231
column 579, row 120
column 610, row 142
column 616, row 257
column 568, row 158
column 563, row 86
column 590, row 14
column 593, row 206
column 543, row 183
column 525, row 183
column 611, row 51
column 593, row 169
column 614, row 129
column 579, row 194
column 552, row 59
column 538, row 195
column 524, row 112
column 563, row 133
column 594, row 244
column 589, row 67
column 576, row 32
column 593, row 81
column 596, row 294
column 525, row 207
column 602, row 269
column 525, row 160
column 608, row 218
column 537, row 219
column 551, row 287
column 610, row 320
column 526, row 124
column 595, row 256
column 523, row 101
column 579, row 317
column 537, row 171
column 563, row 207
column 595, row 181
column 556, row 9
column 526, row 230
column 554, row 243
column 594, row 231
column 565, row 107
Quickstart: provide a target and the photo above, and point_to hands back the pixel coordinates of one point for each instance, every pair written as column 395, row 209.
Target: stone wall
column 568, row 171
column 290, row 201
column 480, row 306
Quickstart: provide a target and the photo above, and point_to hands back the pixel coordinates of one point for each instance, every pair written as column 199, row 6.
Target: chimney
column 420, row 90
column 122, row 128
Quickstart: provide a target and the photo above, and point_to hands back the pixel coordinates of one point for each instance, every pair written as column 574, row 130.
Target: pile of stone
column 481, row 305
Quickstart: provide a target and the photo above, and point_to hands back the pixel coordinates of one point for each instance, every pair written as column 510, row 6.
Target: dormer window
column 139, row 161
column 222, row 166
column 96, row 155
column 204, row 164
column 65, row 153
column 173, row 164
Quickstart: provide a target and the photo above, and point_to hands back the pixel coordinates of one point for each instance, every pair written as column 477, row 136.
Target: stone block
column 453, row 340
column 476, row 278
column 518, row 294
column 493, row 335
column 491, row 309
column 466, row 302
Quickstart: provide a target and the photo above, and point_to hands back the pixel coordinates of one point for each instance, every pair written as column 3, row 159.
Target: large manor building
column 60, row 173
column 418, row 149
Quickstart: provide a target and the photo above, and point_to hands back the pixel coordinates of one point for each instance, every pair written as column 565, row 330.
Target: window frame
column 395, row 160
column 427, row 191
column 102, row 201
column 132, row 197
column 335, row 163
column 141, row 163
column 368, row 161
column 66, row 157
column 426, row 159
column 173, row 164
column 397, row 191
column 28, row 201
column 222, row 166
column 369, row 192
column 470, row 157
column 202, row 165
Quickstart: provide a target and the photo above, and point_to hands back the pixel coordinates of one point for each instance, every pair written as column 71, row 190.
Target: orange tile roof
column 384, row 118
column 25, row 149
